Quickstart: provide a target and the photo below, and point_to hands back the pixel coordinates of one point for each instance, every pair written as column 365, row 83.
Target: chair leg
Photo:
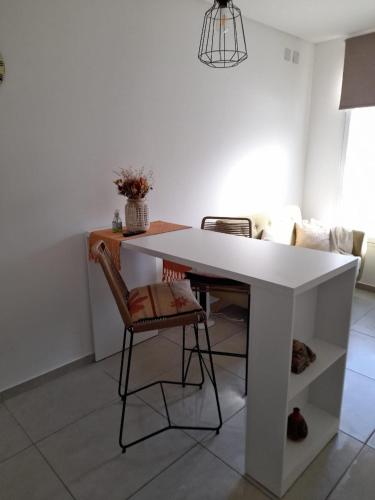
column 183, row 377
column 203, row 299
column 122, row 364
column 199, row 355
column 125, row 395
column 247, row 342
column 213, row 377
column 185, row 371
column 161, row 382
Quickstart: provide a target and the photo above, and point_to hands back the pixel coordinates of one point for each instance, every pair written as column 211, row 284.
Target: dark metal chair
column 238, row 226
column 161, row 305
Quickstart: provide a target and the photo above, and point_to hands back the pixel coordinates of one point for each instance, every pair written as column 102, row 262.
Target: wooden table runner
column 113, row 241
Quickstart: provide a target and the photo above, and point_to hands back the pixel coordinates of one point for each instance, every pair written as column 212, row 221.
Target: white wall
column 327, row 130
column 325, row 161
column 92, row 85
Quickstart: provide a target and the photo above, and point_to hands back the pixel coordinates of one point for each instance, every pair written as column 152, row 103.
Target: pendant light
column 222, row 42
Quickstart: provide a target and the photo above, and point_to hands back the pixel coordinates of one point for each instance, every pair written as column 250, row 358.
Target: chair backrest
column 238, row 226
column 117, row 285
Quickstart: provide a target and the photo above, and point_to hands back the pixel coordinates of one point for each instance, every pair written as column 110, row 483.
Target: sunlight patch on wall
column 257, row 181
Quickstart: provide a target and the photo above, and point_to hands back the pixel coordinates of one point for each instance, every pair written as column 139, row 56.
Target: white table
column 295, row 293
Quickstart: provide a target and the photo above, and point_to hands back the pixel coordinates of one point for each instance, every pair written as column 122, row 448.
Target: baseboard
column 46, row 377
column 366, row 286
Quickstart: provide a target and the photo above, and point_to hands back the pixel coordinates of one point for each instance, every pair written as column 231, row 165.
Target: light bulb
column 224, row 21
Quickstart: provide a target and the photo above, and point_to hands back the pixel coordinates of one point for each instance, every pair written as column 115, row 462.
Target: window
column 358, row 195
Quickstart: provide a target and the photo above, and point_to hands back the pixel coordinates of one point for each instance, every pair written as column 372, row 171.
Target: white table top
column 262, row 263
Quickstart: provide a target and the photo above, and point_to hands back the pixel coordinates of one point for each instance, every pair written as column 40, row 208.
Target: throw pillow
column 279, row 232
column 314, row 236
column 267, row 235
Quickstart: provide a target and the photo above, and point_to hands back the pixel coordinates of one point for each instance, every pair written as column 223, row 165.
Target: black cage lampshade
column 222, row 42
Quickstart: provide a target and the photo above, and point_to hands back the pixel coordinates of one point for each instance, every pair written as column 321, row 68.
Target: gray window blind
column 358, row 85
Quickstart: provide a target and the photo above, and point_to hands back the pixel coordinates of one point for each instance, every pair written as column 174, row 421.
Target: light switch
column 295, row 57
column 287, row 54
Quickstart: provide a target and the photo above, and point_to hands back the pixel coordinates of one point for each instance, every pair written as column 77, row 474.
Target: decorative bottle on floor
column 297, row 427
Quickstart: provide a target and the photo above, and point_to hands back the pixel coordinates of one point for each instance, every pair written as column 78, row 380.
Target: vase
column 137, row 217
column 297, row 427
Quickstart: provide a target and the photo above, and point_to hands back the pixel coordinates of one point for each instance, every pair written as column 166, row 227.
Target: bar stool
column 203, row 283
column 160, row 305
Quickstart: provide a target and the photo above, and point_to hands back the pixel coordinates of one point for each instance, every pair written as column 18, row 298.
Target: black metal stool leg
column 199, row 355
column 185, row 371
column 124, row 398
column 203, row 299
column 247, row 342
column 122, row 364
column 213, row 377
column 183, row 356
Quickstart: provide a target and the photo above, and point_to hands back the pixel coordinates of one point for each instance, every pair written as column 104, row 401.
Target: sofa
column 282, row 228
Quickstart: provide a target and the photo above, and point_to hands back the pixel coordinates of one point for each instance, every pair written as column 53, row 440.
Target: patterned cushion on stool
column 162, row 300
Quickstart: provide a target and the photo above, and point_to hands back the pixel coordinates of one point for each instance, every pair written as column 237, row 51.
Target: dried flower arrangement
column 133, row 183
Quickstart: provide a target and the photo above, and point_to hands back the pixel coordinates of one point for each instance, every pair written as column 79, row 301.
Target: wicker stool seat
column 160, row 305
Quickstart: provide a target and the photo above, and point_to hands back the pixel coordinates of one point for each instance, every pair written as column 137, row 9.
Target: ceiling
column 313, row 20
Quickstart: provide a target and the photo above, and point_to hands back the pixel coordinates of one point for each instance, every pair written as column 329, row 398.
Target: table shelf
column 298, row 455
column 326, row 355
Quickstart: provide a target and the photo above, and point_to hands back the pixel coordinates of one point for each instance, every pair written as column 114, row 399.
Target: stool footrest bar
column 171, row 382
column 220, row 353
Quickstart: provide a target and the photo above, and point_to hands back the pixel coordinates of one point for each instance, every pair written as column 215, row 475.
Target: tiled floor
column 59, row 441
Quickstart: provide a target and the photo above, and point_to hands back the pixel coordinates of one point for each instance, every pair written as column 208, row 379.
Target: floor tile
column 198, row 407
column 357, row 414
column 223, row 329
column 93, row 440
column 361, row 354
column 366, row 324
column 363, row 302
column 233, row 313
column 199, row 475
column 150, row 359
column 359, row 481
column 12, row 438
column 27, row 476
column 153, row 395
column 236, row 343
column 364, row 294
column 229, row 445
column 320, row 477
column 371, row 441
column 55, row 404
column 123, row 475
column 75, row 422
